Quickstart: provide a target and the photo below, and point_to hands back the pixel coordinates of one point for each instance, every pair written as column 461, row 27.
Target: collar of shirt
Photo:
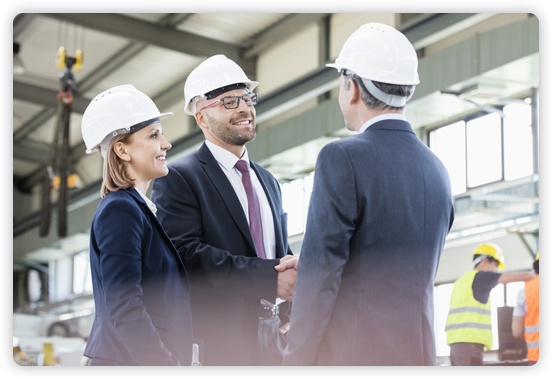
column 381, row 117
column 225, row 158
column 150, row 204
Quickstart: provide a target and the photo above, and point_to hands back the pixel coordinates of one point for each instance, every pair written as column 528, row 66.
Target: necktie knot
column 242, row 166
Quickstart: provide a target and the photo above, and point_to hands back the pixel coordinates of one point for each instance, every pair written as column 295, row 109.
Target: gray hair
column 369, row 99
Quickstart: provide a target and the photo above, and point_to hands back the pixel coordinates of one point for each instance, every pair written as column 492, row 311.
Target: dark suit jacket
column 141, row 290
column 201, row 213
column 380, row 210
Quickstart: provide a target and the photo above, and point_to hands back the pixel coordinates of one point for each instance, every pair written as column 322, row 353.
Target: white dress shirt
column 150, row 203
column 227, row 161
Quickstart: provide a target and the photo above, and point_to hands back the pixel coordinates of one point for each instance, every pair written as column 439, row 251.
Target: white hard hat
column 121, row 109
column 379, row 52
column 214, row 73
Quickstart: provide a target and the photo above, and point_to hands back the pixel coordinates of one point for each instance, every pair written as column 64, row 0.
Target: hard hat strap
column 392, row 100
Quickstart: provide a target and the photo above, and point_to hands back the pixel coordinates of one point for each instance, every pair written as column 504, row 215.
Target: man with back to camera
column 224, row 214
column 380, row 210
column 468, row 326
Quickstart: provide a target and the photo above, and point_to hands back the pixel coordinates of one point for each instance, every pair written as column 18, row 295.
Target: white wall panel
column 494, row 22
column 344, row 24
column 288, row 60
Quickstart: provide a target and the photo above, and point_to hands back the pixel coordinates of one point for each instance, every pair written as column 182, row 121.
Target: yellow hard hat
column 491, row 250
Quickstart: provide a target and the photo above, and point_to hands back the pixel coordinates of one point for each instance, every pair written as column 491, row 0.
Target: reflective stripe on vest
column 468, row 319
column 468, row 325
column 486, row 312
column 532, row 319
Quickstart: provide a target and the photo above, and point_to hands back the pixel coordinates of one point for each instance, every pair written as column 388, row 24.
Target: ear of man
column 201, row 119
column 354, row 92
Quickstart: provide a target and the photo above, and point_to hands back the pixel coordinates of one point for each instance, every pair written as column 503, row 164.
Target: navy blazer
column 141, row 290
column 202, row 215
column 380, row 210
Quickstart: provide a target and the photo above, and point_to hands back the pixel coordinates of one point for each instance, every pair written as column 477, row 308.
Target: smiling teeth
column 242, row 122
column 160, row 158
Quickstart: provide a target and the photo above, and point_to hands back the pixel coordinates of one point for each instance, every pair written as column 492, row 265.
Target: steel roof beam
column 147, row 32
column 288, row 27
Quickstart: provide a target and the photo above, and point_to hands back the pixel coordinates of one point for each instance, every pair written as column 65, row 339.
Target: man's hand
column 287, row 262
column 286, row 284
column 284, row 328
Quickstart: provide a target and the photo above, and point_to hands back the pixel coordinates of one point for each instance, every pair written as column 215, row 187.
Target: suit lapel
column 132, row 192
column 226, row 191
column 156, row 224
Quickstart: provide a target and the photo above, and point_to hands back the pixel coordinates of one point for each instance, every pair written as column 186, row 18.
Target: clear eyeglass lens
column 232, row 102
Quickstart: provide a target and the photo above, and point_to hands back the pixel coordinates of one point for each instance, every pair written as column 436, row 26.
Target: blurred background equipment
column 60, row 160
column 18, row 67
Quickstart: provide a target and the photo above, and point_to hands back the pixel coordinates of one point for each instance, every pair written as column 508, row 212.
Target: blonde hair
column 115, row 175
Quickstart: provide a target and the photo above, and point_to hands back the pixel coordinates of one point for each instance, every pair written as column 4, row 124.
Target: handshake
column 287, row 276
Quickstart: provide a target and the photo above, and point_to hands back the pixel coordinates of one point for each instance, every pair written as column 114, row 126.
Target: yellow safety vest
column 468, row 319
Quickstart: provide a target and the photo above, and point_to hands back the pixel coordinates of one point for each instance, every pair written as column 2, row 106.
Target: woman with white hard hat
column 141, row 289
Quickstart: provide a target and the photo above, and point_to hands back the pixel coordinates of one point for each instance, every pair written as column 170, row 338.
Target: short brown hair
column 115, row 175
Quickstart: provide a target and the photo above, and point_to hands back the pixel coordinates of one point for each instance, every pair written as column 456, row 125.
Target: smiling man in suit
column 380, row 210
column 224, row 214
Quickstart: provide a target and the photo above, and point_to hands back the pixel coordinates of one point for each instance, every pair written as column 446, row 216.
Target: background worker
column 140, row 285
column 224, row 214
column 525, row 318
column 379, row 213
column 468, row 326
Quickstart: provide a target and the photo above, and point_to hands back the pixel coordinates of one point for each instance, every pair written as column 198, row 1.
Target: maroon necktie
column 255, row 223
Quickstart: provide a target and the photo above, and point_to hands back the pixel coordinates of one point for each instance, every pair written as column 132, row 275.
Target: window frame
column 466, row 120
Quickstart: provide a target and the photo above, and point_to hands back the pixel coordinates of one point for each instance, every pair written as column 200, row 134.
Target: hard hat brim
column 333, row 65
column 165, row 115
column 160, row 117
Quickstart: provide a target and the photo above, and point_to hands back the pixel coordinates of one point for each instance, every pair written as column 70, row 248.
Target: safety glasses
column 232, row 102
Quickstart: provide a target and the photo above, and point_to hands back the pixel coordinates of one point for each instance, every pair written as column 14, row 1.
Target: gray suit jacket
column 380, row 210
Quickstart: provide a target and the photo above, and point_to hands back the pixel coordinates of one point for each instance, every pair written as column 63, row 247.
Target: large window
column 486, row 148
column 518, row 141
column 82, row 278
column 483, row 150
column 295, row 197
column 448, row 143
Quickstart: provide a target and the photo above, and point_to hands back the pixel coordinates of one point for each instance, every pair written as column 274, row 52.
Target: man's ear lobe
column 355, row 92
column 200, row 120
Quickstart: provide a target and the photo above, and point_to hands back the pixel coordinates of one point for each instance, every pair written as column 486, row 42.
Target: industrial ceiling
column 156, row 51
